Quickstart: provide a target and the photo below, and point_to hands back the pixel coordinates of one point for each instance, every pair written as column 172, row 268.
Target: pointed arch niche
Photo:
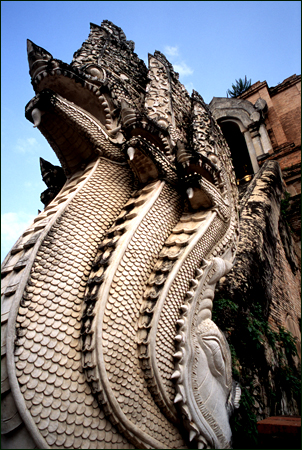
column 240, row 155
column 242, row 124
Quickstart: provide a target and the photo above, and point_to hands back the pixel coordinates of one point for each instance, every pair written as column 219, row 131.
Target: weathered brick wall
column 283, row 119
column 272, row 120
column 283, row 123
column 267, row 267
column 287, row 105
column 286, row 291
column 266, row 274
column 289, row 160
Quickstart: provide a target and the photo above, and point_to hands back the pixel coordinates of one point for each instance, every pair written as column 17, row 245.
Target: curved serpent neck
column 107, row 296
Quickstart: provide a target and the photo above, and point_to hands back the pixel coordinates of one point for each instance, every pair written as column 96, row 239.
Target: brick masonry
column 283, row 123
column 286, row 293
column 280, row 432
column 266, row 272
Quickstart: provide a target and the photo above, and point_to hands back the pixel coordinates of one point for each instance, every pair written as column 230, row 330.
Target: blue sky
column 210, row 44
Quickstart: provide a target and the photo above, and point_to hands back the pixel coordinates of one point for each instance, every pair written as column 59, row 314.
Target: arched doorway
column 239, row 151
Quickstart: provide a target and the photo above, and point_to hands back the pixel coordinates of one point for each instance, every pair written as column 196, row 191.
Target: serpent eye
column 215, row 347
column 214, row 353
column 213, row 158
column 96, row 71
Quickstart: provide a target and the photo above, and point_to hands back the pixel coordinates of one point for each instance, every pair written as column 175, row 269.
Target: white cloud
column 32, row 141
column 189, row 86
column 183, row 69
column 26, row 145
column 178, row 64
column 12, row 225
column 171, row 51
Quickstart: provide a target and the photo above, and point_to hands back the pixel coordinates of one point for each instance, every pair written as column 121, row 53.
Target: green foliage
column 239, row 87
column 226, row 309
column 287, row 374
column 288, row 378
column 288, row 342
column 244, row 423
column 248, row 332
column 235, row 361
column 285, row 204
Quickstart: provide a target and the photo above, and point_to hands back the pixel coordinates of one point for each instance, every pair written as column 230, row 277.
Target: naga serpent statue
column 107, row 334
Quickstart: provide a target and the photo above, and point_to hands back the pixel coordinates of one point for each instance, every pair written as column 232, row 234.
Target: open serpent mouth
column 75, row 135
column 78, row 85
column 149, row 203
column 197, row 173
column 75, row 111
column 78, row 138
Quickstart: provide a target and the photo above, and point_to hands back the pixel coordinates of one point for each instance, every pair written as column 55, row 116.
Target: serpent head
column 107, row 103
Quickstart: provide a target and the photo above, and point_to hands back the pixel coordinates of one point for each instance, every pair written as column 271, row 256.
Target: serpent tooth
column 190, row 367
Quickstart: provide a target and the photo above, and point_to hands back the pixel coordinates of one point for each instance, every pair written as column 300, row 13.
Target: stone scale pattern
column 207, row 140
column 166, row 327
column 89, row 128
column 121, row 313
column 48, row 344
column 61, row 302
column 129, row 287
column 169, row 311
column 18, row 262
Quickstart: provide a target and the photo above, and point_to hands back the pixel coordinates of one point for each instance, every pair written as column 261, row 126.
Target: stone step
column 280, row 432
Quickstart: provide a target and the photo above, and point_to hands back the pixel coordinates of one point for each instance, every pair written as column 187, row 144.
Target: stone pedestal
column 280, row 432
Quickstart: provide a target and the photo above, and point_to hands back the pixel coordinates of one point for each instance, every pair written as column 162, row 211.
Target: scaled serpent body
column 108, row 294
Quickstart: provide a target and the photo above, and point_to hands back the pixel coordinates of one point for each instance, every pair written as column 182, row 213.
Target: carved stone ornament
column 107, row 334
